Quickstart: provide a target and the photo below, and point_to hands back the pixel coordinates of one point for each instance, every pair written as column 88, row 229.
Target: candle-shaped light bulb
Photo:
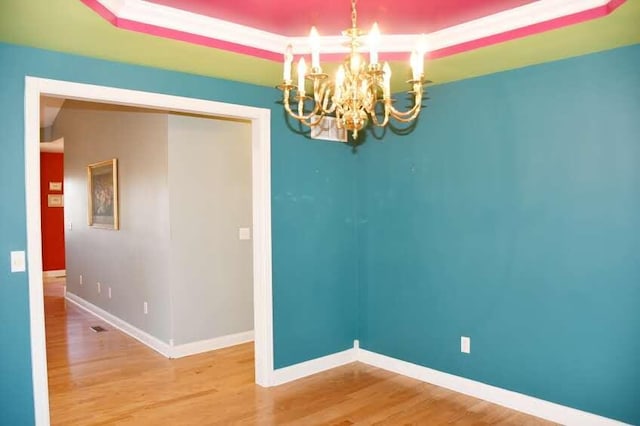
column 314, row 41
column 422, row 48
column 374, row 43
column 386, row 79
column 414, row 65
column 302, row 70
column 288, row 58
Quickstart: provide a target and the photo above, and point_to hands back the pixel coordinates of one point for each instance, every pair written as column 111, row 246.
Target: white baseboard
column 514, row 400
column 193, row 348
column 317, row 365
column 142, row 336
column 527, row 404
column 54, row 274
column 156, row 344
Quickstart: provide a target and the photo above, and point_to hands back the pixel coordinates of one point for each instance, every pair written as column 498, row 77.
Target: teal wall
column 314, row 276
column 512, row 215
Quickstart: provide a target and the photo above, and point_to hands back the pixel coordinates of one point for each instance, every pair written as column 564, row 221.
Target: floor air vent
column 98, row 328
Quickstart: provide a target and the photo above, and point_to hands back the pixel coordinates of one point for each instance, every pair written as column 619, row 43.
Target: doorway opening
column 259, row 120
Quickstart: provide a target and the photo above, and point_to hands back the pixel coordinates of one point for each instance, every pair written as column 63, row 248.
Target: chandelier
column 360, row 93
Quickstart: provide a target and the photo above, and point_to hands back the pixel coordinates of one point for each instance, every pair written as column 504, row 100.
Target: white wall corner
column 527, row 404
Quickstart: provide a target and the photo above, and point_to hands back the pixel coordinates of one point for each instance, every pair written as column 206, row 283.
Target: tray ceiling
column 244, row 41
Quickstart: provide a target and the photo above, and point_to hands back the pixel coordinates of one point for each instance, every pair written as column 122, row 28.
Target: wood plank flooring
column 111, row 379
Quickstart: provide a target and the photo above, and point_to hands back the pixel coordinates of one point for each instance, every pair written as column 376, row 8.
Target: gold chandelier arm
column 373, row 89
column 314, row 123
column 318, row 90
column 405, row 116
column 304, row 118
column 325, row 97
column 374, row 116
column 322, row 97
column 331, row 108
column 411, row 114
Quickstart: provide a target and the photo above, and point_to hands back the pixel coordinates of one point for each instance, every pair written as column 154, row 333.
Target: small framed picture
column 55, row 200
column 55, row 186
column 102, row 194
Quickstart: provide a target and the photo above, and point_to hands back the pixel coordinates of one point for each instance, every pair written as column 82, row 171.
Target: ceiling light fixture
column 360, row 93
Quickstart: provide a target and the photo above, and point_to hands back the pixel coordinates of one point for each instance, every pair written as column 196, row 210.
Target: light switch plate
column 18, row 261
column 244, row 233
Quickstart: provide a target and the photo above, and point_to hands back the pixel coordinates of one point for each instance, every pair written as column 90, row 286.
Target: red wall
column 51, row 170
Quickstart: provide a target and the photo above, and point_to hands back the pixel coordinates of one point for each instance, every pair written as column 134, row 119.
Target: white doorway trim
column 261, row 191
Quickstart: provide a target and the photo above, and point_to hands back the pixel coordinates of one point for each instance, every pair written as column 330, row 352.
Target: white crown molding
column 509, row 20
column 175, row 19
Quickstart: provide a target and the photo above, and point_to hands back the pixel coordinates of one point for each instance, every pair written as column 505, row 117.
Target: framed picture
column 55, row 186
column 55, row 200
column 103, row 194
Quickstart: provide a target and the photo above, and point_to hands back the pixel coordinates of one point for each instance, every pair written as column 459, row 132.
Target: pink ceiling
column 294, row 18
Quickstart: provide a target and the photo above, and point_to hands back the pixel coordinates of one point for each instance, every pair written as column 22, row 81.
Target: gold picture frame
column 55, row 200
column 102, row 196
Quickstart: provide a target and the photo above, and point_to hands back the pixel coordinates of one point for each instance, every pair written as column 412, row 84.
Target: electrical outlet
column 109, row 292
column 80, row 279
column 99, row 287
column 465, row 345
column 244, row 233
column 146, row 308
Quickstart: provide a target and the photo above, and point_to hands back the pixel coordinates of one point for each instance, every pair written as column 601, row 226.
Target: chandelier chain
column 354, row 14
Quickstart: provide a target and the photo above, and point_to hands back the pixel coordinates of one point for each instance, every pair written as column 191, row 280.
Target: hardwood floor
column 109, row 378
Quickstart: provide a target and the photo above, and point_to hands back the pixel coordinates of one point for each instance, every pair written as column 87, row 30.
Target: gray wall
column 134, row 260
column 210, row 198
column 185, row 189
